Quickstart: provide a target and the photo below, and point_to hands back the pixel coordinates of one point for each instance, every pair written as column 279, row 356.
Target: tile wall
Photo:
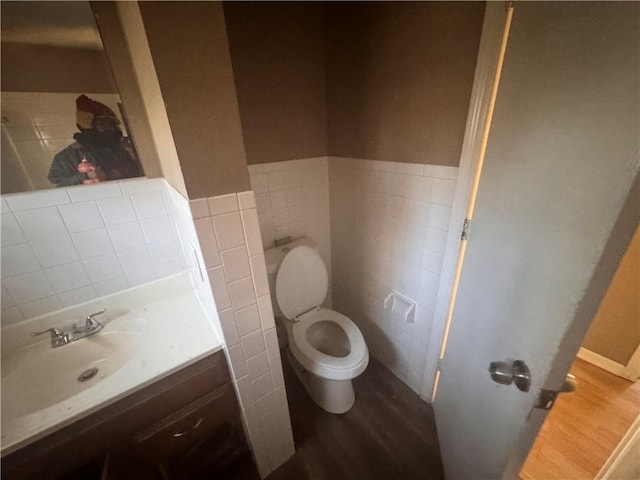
column 389, row 225
column 65, row 246
column 68, row 245
column 42, row 124
column 380, row 226
column 292, row 198
column 228, row 230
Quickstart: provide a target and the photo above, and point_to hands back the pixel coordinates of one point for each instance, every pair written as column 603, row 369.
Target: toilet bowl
column 325, row 348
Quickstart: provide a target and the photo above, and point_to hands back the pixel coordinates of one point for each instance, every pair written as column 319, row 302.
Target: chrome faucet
column 59, row 337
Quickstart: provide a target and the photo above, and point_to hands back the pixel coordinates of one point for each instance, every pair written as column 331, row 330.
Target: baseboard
column 600, row 361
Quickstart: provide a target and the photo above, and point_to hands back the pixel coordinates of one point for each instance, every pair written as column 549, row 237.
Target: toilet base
column 333, row 396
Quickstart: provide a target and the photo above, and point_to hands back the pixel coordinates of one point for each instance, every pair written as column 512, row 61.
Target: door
column 552, row 218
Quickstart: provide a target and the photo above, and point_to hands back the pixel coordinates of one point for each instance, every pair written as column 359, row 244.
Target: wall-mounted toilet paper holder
column 399, row 307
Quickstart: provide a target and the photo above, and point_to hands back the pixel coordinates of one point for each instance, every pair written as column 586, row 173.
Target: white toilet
column 326, row 348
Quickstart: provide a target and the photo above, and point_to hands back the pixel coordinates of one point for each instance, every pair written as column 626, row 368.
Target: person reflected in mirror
column 99, row 153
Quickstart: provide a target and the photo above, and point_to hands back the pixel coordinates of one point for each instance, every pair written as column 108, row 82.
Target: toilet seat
column 321, row 364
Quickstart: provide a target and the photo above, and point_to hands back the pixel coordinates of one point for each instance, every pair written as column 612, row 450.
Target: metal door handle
column 521, row 375
column 507, row 373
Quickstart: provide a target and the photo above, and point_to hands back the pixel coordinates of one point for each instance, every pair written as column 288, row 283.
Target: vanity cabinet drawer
column 188, row 426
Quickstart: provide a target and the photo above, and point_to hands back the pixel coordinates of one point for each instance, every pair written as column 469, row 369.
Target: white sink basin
column 38, row 376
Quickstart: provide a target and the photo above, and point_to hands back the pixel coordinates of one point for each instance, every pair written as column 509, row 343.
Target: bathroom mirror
column 51, row 55
column 68, row 244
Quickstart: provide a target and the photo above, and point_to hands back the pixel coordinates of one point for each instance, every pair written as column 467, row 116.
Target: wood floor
column 584, row 427
column 388, row 434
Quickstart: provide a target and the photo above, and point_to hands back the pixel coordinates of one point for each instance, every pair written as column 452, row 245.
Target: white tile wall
column 232, row 256
column 69, row 245
column 292, row 198
column 389, row 225
column 189, row 250
column 42, row 124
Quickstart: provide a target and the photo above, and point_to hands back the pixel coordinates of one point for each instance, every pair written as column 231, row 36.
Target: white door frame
column 631, row 370
column 623, row 461
column 483, row 94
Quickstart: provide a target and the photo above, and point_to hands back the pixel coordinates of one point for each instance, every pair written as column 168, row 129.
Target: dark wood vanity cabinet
column 185, row 426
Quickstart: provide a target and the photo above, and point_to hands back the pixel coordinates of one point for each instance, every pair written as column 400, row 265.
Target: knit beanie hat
column 88, row 109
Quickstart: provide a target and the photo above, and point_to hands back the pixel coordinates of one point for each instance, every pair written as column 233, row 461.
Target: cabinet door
column 187, row 427
column 217, row 456
column 123, row 465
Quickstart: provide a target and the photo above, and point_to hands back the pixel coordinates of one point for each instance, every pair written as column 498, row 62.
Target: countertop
column 162, row 324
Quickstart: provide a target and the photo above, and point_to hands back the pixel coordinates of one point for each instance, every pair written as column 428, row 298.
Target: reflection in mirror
column 62, row 120
column 64, row 242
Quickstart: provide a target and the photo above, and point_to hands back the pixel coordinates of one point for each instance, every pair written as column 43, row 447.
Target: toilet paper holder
column 399, row 307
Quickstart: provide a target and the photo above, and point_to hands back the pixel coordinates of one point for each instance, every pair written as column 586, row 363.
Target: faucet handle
column 92, row 322
column 55, row 332
column 58, row 337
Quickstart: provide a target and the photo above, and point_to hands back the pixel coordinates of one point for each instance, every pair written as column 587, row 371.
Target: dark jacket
column 114, row 161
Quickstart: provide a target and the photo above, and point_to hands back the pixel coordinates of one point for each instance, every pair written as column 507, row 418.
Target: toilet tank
column 273, row 258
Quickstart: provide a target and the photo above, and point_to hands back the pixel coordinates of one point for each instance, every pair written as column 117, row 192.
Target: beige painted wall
column 615, row 331
column 188, row 44
column 277, row 50
column 400, row 77
column 395, row 93
column 41, row 68
column 378, row 81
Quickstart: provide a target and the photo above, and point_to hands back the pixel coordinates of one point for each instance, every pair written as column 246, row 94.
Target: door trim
column 482, row 99
column 631, row 371
column 624, row 456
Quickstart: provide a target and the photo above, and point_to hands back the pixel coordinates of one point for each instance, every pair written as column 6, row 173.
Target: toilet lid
column 302, row 282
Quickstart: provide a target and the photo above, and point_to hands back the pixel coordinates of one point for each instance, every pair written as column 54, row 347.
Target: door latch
column 547, row 398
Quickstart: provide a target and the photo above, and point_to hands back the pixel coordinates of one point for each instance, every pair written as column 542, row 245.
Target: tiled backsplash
column 389, row 225
column 64, row 246
column 229, row 235
column 42, row 124
column 292, row 198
